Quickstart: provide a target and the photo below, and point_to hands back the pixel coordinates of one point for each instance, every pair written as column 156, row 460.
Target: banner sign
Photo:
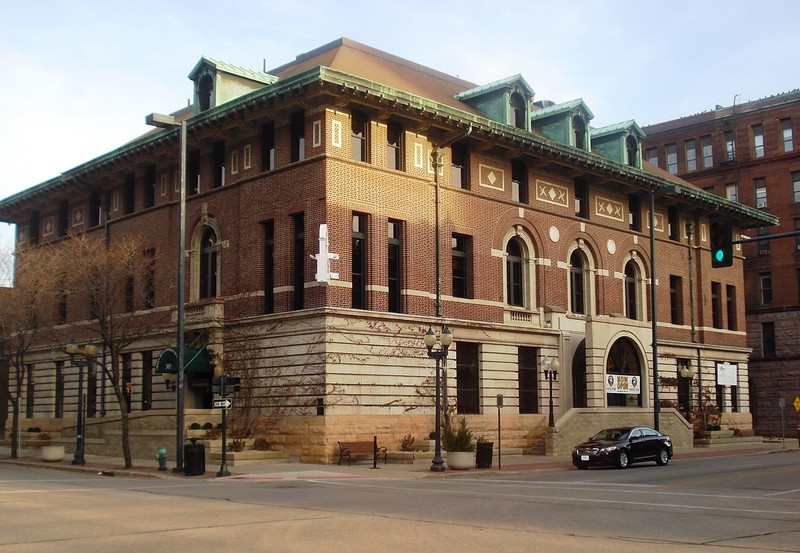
column 726, row 373
column 623, row 384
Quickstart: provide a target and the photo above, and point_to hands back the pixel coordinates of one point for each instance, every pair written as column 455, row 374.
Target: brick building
column 544, row 253
column 748, row 153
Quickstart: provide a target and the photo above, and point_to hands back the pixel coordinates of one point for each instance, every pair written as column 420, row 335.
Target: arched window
column 518, row 110
column 204, row 89
column 624, row 361
column 632, row 148
column 632, row 290
column 579, row 130
column 577, row 283
column 515, row 273
column 208, row 264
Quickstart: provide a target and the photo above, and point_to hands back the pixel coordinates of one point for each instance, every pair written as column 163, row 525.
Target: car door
column 638, row 445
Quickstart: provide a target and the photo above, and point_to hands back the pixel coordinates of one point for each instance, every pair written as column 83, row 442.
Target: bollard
column 161, row 457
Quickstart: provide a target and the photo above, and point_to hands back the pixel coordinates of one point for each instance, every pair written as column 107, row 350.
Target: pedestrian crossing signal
column 721, row 243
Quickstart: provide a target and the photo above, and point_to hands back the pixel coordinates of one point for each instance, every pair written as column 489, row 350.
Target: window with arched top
column 632, row 149
column 204, row 89
column 578, row 283
column 579, row 132
column 208, row 264
column 515, row 271
column 633, row 290
column 518, row 110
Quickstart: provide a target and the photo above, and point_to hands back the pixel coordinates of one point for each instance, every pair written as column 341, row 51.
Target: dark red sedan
column 622, row 446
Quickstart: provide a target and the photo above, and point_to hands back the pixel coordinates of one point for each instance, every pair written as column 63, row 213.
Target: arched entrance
column 624, row 375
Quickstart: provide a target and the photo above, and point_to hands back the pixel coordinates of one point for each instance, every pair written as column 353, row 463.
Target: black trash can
column 194, row 458
column 483, row 455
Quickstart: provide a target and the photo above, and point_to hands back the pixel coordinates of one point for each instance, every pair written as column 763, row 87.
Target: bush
column 261, row 444
column 208, row 426
column 194, row 426
column 236, row 445
column 458, row 440
column 213, row 433
column 34, row 429
column 407, row 443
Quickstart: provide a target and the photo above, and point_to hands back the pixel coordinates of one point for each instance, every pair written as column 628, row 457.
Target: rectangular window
column 651, row 155
column 359, row 137
column 218, row 157
column 298, row 136
column 527, row 375
column 763, row 245
column 732, row 192
column 760, row 185
column 59, row 391
column 299, row 275
column 30, row 391
column 796, row 187
column 269, row 266
column 721, row 397
column 129, row 194
column 150, row 279
column 193, row 170
column 672, row 158
column 147, row 380
column 673, row 222
column 91, row 392
column 730, row 298
column 768, row 339
column 716, row 305
column 129, row 303
column 734, row 399
column 581, row 199
column 395, row 146
column 634, row 212
column 758, row 141
column 708, row 152
column 459, row 168
column 62, row 221
column 460, row 253
column 359, row 265
column 467, row 379
column 676, row 299
column 519, row 181
column 127, row 380
column 62, row 306
column 730, row 146
column 94, row 209
column 691, row 154
column 150, row 186
column 786, row 135
column 797, row 238
column 765, row 288
column 268, row 146
column 395, row 268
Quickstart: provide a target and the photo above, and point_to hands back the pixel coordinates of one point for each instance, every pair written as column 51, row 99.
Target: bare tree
column 109, row 281
column 24, row 308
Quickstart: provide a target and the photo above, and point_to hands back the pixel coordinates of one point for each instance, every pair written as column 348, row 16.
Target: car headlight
column 607, row 449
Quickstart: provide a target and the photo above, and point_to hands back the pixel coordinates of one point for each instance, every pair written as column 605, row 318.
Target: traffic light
column 721, row 243
column 232, row 385
column 226, row 384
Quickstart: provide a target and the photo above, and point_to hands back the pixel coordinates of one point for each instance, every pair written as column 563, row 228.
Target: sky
column 77, row 77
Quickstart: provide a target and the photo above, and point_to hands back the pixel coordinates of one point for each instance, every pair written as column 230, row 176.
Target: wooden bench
column 361, row 449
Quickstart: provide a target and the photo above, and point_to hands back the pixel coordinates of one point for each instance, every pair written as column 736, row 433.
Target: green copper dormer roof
column 630, row 127
column 566, row 107
column 502, row 84
column 225, row 67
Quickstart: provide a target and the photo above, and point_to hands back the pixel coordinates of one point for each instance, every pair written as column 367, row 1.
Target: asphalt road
column 740, row 503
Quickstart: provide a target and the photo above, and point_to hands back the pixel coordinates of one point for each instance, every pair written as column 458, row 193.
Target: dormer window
column 579, row 132
column 632, row 149
column 204, row 89
column 518, row 111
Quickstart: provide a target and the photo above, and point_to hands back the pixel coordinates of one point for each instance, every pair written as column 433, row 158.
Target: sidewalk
column 509, row 464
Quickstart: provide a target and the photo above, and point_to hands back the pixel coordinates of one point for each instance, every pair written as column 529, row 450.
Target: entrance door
column 624, row 359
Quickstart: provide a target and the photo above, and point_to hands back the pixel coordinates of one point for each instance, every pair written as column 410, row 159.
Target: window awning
column 195, row 361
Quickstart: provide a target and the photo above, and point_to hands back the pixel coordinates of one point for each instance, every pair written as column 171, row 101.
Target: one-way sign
column 225, row 403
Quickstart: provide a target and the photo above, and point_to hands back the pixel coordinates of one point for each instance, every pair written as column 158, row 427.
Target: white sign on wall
column 726, row 373
column 623, row 384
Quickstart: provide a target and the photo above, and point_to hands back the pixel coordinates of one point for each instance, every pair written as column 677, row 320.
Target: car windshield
column 610, row 434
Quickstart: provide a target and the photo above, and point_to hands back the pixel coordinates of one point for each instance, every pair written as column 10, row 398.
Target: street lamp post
column 551, row 367
column 169, row 122
column 444, row 340
column 82, row 360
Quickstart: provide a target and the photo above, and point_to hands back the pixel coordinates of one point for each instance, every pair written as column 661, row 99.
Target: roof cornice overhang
column 327, row 81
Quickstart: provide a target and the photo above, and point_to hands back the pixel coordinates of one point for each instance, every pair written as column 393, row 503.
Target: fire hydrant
column 161, row 457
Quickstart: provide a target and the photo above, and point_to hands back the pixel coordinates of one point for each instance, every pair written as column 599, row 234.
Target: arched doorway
column 579, row 376
column 624, row 375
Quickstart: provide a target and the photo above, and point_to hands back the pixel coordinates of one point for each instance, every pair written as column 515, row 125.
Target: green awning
column 195, row 361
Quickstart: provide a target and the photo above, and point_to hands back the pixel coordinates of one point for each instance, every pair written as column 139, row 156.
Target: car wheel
column 622, row 459
column 663, row 457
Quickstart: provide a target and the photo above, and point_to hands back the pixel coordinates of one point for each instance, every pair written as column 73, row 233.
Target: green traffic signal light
column 721, row 243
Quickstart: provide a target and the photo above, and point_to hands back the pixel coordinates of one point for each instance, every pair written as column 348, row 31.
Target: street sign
column 225, row 403
column 797, row 404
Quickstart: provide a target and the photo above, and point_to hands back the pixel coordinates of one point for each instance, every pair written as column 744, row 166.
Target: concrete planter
column 52, row 453
column 460, row 460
